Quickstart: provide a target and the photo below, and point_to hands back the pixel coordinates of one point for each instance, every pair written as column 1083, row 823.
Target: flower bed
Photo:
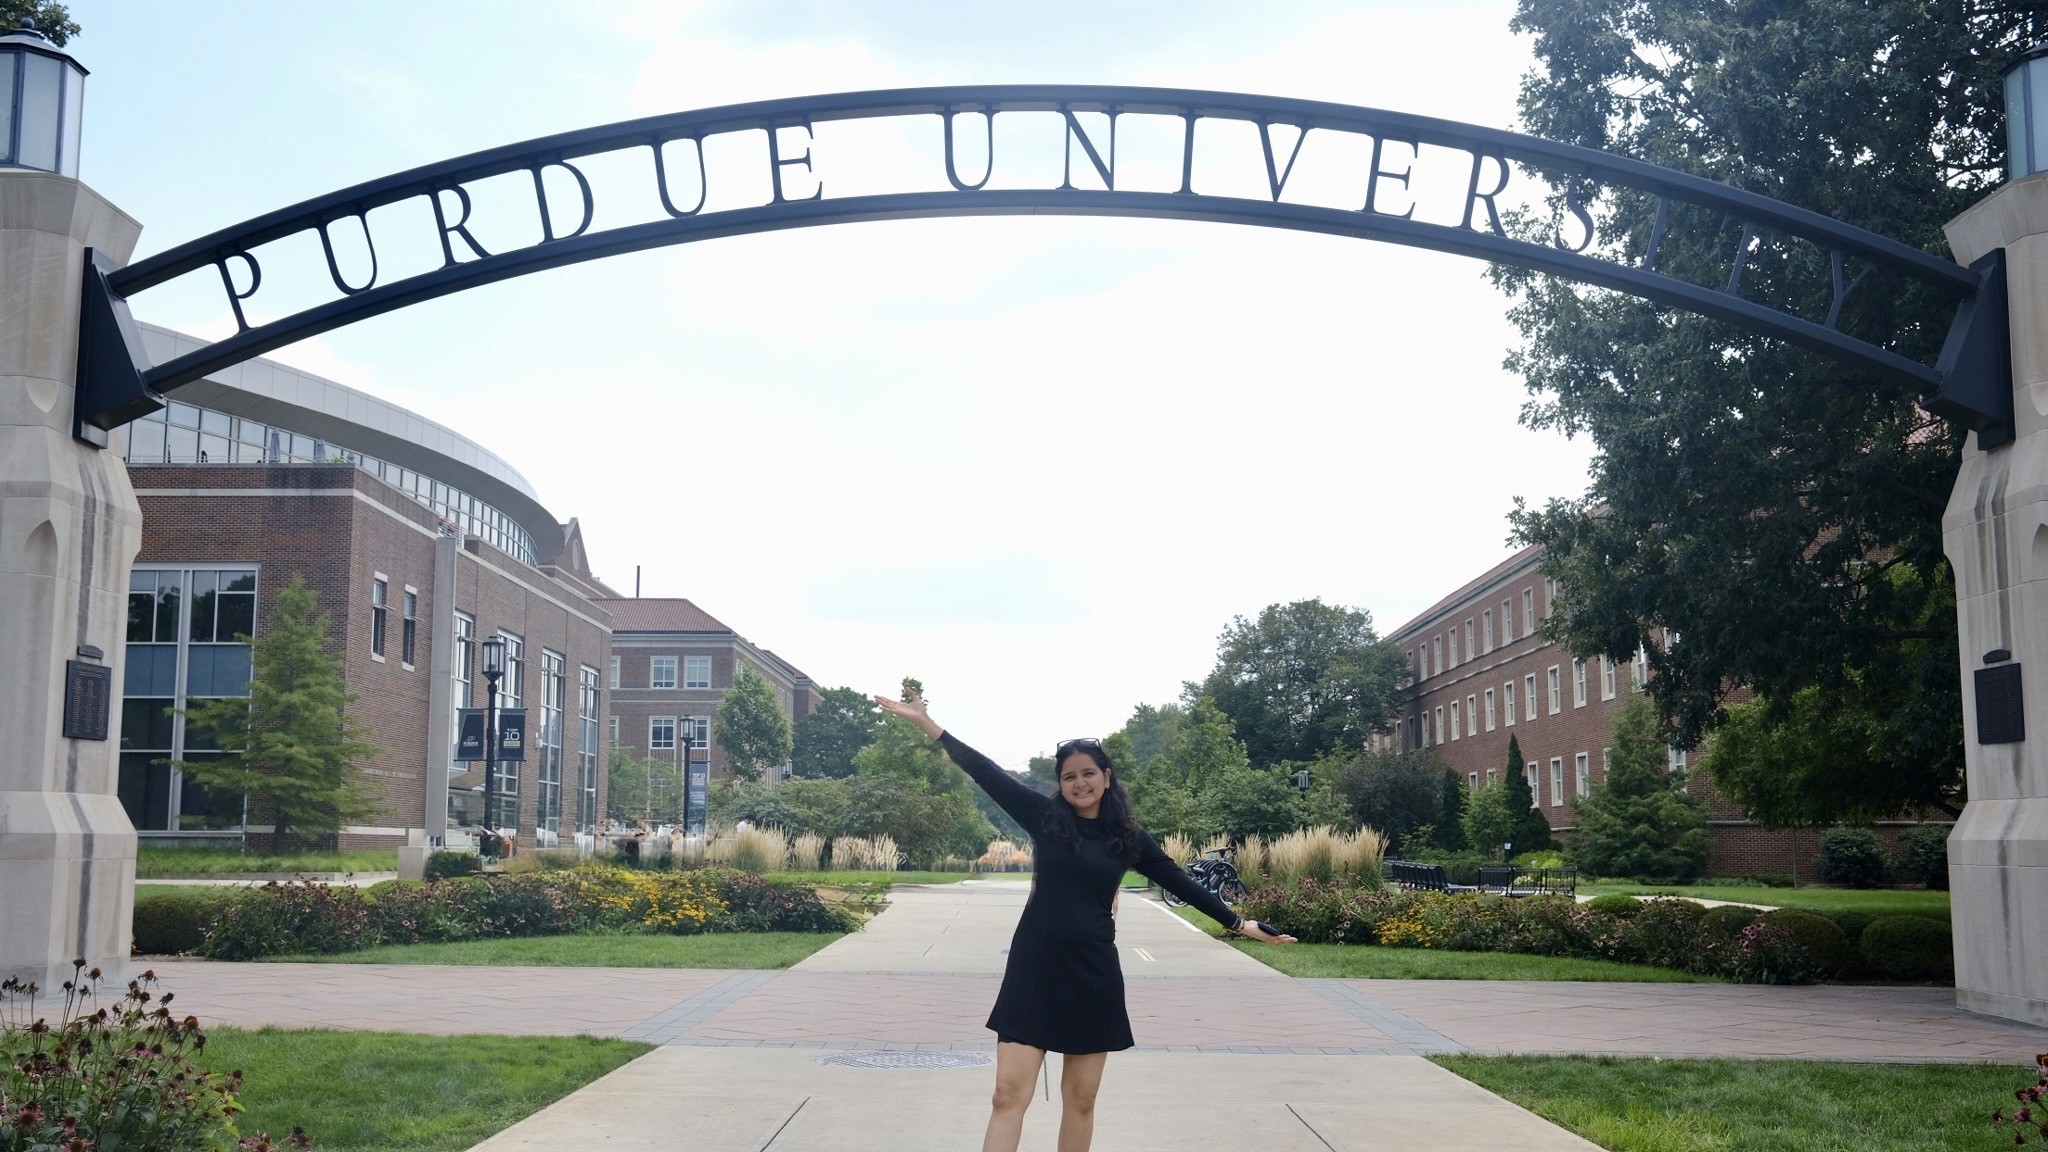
column 311, row 919
column 1785, row 947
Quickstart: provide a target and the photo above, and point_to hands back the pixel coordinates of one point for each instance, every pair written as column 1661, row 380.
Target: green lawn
column 713, row 950
column 1649, row 1105
column 1876, row 901
column 1370, row 962
column 154, row 891
column 850, row 879
column 393, row 1092
column 156, row 862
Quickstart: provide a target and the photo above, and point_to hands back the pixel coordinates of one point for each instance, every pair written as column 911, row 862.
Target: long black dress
column 1063, row 989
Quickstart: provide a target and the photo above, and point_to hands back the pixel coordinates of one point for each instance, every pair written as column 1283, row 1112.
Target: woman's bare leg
column 1017, row 1068
column 1080, row 1077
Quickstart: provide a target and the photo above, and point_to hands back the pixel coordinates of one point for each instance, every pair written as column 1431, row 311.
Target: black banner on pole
column 469, row 735
column 511, row 735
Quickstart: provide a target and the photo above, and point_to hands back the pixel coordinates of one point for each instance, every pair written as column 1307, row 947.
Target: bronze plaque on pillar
column 88, row 698
column 2001, row 708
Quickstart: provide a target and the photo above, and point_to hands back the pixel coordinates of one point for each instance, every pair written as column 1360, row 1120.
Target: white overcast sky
column 1037, row 462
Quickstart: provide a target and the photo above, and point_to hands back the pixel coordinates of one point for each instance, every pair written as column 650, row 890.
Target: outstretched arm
column 1155, row 865
column 1026, row 806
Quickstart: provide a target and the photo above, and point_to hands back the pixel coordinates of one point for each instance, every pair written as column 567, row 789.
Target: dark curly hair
column 1125, row 835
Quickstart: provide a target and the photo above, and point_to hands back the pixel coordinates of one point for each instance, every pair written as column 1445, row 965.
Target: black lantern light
column 2026, row 113
column 45, row 92
column 494, row 667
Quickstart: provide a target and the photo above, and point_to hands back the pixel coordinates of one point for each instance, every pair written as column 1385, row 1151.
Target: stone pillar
column 1996, row 535
column 69, row 529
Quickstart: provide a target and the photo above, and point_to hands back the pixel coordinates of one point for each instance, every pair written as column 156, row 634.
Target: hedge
column 311, row 919
column 1789, row 946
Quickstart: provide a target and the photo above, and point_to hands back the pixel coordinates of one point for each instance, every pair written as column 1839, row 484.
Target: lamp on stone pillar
column 2026, row 113
column 45, row 93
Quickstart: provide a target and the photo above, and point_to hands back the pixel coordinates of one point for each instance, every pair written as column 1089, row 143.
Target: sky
column 1039, row 463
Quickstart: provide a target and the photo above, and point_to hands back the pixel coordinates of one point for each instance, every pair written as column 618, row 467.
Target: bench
column 1412, row 876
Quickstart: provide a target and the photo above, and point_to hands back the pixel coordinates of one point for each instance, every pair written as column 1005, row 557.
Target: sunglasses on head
column 1066, row 746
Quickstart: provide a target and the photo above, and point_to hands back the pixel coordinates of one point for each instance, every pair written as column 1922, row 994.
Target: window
column 1585, row 770
column 1578, row 683
column 616, row 661
column 663, row 672
column 1676, row 759
column 459, row 677
column 1489, row 777
column 1472, row 778
column 586, row 748
column 1507, row 702
column 1469, row 641
column 1421, row 726
column 409, row 628
column 1507, row 621
column 1486, row 636
column 1606, row 678
column 511, row 694
column 698, row 729
column 1529, row 697
column 1639, row 668
column 1471, row 716
column 1436, row 643
column 1415, row 661
column 554, row 684
column 1489, row 709
column 615, row 731
column 380, row 607
column 1550, row 590
column 697, row 672
column 1454, row 720
column 661, row 733
column 1556, row 697
column 187, row 640
column 1535, row 776
column 1528, row 612
column 1556, row 781
column 1439, row 724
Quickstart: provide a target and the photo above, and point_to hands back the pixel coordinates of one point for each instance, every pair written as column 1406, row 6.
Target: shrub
column 1615, row 904
column 681, row 903
column 444, row 865
column 1725, row 923
column 299, row 918
column 757, row 904
column 1910, row 948
column 806, row 851
column 1826, row 946
column 119, row 1077
column 1927, row 855
column 176, row 922
column 1320, row 853
column 1667, row 933
column 1766, row 952
column 1853, row 858
column 1320, row 913
column 1852, row 925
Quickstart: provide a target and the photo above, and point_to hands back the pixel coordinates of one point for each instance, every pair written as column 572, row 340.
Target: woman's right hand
column 912, row 710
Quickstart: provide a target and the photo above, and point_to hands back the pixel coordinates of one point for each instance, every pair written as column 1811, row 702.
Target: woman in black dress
column 1063, row 989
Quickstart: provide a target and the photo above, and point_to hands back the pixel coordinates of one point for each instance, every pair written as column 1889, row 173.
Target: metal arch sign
column 979, row 161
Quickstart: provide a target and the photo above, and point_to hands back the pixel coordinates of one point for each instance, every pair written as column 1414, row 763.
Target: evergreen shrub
column 176, row 923
column 447, row 865
column 1927, row 855
column 1853, row 858
column 1910, row 948
column 1615, row 904
column 1829, row 948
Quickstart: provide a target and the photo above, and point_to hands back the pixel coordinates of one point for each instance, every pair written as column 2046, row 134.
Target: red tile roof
column 647, row 614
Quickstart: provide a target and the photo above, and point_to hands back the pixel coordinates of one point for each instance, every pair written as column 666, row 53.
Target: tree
column 925, row 825
column 732, row 801
column 52, row 20
column 826, row 741
column 1489, row 819
column 1149, row 734
column 639, row 791
column 1640, row 821
column 1779, row 512
column 1531, row 830
column 752, row 727
column 1393, row 793
column 901, row 752
column 1205, row 748
column 1450, row 827
column 815, row 805
column 290, row 746
column 1045, row 775
column 1243, row 802
column 1305, row 680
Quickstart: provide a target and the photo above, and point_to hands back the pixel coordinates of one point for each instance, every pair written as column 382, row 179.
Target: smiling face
column 1083, row 783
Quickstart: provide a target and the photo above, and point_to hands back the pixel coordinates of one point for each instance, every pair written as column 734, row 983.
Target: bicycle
column 1215, row 872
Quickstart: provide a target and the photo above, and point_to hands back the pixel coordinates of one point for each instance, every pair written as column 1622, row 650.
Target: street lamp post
column 43, row 90
column 686, row 745
column 1301, row 779
column 2026, row 113
column 494, row 667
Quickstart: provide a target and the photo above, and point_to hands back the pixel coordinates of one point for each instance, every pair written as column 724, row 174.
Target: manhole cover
column 910, row 1060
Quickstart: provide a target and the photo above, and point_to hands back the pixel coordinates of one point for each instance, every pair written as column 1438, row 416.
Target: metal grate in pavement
column 908, row 1060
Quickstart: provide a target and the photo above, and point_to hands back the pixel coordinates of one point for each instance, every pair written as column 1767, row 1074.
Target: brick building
column 419, row 544
column 1483, row 674
column 671, row 664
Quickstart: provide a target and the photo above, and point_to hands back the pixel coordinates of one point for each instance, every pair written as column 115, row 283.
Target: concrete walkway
column 877, row 1040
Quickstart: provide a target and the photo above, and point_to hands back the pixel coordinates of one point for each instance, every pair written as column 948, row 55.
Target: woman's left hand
column 1250, row 928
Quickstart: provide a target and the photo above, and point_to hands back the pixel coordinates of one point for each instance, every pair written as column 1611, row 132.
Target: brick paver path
column 923, row 974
